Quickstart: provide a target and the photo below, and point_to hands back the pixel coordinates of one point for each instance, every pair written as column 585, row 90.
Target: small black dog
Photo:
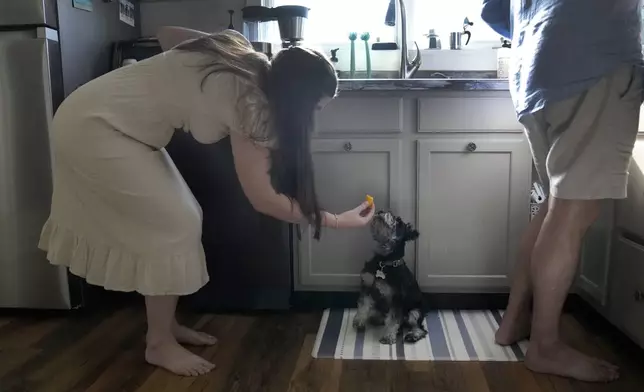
column 389, row 293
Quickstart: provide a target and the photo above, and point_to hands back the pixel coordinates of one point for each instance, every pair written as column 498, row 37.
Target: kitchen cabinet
column 614, row 284
column 626, row 303
column 360, row 115
column 345, row 171
column 473, row 204
column 464, row 113
column 629, row 213
column 464, row 181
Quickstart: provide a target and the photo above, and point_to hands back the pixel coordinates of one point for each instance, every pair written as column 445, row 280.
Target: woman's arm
column 170, row 36
column 252, row 164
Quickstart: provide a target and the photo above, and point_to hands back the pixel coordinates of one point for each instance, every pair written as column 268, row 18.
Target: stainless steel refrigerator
column 31, row 88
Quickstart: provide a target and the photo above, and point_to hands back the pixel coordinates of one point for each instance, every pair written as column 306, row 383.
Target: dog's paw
column 388, row 339
column 358, row 324
column 415, row 335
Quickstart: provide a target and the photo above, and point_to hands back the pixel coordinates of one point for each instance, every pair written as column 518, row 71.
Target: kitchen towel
column 454, row 335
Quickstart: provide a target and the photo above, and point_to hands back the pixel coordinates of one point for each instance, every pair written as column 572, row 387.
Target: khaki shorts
column 582, row 146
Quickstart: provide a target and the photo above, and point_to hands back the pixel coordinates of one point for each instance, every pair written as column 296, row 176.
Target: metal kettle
column 456, row 37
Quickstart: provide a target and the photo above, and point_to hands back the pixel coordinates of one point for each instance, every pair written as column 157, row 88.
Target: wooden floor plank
column 364, row 376
column 400, row 379
column 312, row 375
column 5, row 320
column 597, row 343
column 126, row 373
column 104, row 352
column 458, row 376
column 548, row 383
column 446, row 376
column 13, row 358
column 230, row 331
column 270, row 351
column 89, row 355
column 474, row 377
column 128, row 370
column 74, row 326
column 25, row 333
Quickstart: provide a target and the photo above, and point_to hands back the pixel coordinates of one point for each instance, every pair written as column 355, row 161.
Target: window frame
column 489, row 43
column 271, row 3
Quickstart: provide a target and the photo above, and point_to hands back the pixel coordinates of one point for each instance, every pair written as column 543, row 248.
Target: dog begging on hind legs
column 389, row 293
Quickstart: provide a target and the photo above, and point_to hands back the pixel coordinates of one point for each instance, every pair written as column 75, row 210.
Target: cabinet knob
column 348, row 146
column 639, row 296
column 471, row 147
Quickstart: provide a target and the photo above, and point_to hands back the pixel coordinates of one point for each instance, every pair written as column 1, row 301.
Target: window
column 446, row 16
column 331, row 21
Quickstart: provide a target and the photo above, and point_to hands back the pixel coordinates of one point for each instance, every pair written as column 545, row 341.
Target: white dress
column 122, row 217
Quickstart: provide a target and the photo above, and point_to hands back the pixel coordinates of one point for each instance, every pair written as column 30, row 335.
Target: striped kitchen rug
column 465, row 335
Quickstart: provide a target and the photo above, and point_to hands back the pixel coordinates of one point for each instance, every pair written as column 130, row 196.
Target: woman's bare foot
column 176, row 359
column 562, row 360
column 185, row 335
column 513, row 329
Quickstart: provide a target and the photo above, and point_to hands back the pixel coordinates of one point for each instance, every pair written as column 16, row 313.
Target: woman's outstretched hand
column 357, row 217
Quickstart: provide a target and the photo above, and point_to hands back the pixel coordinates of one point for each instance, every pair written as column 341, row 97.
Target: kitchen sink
column 423, row 75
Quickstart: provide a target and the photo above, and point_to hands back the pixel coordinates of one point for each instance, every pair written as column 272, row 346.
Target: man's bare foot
column 562, row 360
column 176, row 359
column 185, row 335
column 513, row 329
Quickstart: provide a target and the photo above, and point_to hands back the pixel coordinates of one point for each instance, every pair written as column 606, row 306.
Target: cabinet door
column 346, row 171
column 629, row 214
column 473, row 204
column 595, row 255
column 626, row 300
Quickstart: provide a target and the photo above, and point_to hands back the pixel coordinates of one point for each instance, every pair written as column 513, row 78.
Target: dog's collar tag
column 380, row 274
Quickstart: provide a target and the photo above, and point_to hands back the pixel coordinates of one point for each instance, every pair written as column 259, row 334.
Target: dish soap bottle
column 334, row 60
column 503, row 56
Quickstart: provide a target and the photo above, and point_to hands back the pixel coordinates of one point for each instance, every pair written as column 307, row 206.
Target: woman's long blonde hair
column 279, row 100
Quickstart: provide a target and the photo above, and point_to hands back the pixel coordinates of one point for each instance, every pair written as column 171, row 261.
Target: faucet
column 407, row 68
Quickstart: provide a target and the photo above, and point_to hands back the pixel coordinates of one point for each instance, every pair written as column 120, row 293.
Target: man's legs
column 582, row 149
column 548, row 258
column 516, row 320
column 554, row 263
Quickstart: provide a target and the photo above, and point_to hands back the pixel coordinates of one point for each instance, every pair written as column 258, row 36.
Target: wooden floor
column 263, row 352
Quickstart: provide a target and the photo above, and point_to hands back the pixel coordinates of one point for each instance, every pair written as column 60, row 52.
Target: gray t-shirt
column 563, row 47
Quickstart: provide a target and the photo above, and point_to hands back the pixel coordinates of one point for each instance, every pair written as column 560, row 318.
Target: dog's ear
column 411, row 234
